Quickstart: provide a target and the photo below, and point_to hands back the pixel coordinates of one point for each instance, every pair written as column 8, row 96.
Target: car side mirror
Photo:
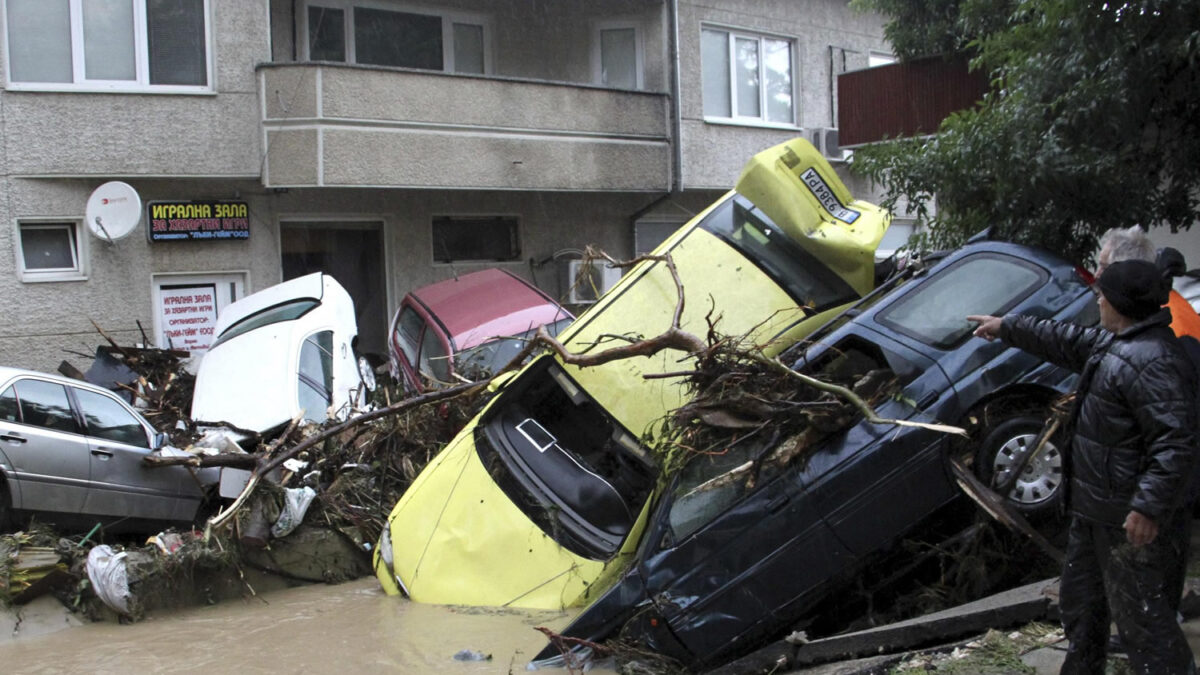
column 161, row 439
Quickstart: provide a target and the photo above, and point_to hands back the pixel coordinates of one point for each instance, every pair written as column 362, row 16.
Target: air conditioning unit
column 826, row 141
column 589, row 280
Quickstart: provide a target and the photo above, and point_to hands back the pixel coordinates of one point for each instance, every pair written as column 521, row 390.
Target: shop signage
column 188, row 314
column 173, row 221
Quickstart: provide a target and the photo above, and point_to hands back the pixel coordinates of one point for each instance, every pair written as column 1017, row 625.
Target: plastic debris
column 295, row 505
column 106, row 570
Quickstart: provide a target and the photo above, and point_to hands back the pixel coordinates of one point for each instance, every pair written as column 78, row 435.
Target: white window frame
column 639, row 50
column 761, row 120
column 141, row 83
column 78, row 272
column 448, row 17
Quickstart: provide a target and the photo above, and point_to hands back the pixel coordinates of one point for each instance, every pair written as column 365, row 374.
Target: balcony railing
column 354, row 126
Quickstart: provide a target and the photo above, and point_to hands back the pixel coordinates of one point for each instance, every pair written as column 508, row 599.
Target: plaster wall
column 134, row 134
column 715, row 151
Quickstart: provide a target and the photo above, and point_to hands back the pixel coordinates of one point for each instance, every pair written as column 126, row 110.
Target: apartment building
column 389, row 143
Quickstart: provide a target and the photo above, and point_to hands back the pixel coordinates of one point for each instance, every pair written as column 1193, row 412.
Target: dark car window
column 435, row 359
column 288, row 311
column 316, row 375
column 935, row 313
column 45, row 404
column 108, row 419
column 408, row 334
column 806, row 279
column 564, row 461
column 8, row 406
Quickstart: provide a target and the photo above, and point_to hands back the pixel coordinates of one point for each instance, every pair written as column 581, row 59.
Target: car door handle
column 12, row 438
column 103, row 454
column 778, row 503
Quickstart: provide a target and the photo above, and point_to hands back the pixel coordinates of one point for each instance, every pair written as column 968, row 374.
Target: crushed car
column 286, row 351
column 539, row 502
column 72, row 454
column 467, row 327
column 741, row 549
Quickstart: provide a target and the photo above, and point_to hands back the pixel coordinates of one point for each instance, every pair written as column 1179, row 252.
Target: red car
column 466, row 327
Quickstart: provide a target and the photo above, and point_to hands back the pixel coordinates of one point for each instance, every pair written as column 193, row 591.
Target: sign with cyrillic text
column 211, row 220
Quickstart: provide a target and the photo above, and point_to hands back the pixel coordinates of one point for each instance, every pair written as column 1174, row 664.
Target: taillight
column 1087, row 277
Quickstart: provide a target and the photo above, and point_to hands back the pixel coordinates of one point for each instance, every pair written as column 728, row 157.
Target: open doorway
column 352, row 253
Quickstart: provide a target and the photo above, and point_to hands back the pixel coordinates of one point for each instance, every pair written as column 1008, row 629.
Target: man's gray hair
column 1127, row 243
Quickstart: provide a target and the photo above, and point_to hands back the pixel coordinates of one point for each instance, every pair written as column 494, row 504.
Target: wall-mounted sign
column 187, row 315
column 172, row 221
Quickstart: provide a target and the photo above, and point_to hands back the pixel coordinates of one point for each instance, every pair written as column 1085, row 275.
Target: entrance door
column 352, row 253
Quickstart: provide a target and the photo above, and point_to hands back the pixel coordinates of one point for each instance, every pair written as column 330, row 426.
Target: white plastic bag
column 106, row 571
column 295, row 505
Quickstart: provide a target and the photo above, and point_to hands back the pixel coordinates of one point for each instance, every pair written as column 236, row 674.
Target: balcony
column 332, row 125
column 905, row 99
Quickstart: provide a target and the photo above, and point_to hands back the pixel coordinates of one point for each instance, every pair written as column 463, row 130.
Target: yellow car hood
column 460, row 540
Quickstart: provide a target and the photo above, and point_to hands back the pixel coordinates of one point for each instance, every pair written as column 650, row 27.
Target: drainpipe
column 677, row 117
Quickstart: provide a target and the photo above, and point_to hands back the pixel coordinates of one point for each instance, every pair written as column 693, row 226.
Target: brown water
column 347, row 628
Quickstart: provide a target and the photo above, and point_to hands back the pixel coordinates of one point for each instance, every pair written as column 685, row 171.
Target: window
column 108, row 419
column 380, row 34
column 475, row 238
column 747, row 77
column 129, row 45
column 748, row 230
column 45, row 404
column 288, row 311
column 935, row 313
column 315, row 392
column 51, row 251
column 617, row 56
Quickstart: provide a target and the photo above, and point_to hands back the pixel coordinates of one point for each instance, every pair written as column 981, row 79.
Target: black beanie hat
column 1135, row 288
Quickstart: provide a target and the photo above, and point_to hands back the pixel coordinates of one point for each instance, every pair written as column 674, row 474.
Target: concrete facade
column 340, row 147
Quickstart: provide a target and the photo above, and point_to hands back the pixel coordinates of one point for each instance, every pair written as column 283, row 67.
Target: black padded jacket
column 1133, row 424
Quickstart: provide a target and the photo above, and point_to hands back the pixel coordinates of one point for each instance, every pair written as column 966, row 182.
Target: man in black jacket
column 1131, row 455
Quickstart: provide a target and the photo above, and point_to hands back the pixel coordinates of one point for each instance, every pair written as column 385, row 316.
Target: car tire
column 1038, row 490
column 6, row 519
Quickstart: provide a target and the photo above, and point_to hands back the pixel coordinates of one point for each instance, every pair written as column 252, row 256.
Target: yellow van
column 540, row 500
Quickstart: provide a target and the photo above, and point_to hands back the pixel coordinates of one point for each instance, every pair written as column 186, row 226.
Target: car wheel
column 1037, row 489
column 367, row 372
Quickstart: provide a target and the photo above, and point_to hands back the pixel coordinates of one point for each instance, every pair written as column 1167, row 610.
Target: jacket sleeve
column 1163, row 400
column 1059, row 342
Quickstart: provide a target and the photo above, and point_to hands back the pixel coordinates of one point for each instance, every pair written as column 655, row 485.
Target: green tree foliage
column 1093, row 122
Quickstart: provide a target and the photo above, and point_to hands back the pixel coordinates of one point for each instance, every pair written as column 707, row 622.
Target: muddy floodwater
column 346, row 628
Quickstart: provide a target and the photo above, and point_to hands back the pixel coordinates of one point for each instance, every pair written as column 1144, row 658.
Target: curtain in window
column 39, row 40
column 618, row 58
column 176, row 42
column 714, row 46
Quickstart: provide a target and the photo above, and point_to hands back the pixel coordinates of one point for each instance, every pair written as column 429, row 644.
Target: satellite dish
column 113, row 210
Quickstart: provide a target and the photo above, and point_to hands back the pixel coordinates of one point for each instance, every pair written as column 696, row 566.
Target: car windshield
column 288, row 311
column 810, row 283
column 485, row 359
column 565, row 462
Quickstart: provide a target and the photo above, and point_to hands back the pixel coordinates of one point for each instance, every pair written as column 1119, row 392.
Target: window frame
column 448, row 19
column 79, row 272
column 141, row 43
column 638, row 51
column 732, row 35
